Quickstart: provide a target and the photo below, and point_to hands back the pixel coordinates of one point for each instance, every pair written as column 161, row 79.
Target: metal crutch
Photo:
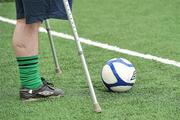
column 57, row 67
column 97, row 107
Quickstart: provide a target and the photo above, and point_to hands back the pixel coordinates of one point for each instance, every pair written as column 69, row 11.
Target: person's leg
column 25, row 44
column 25, row 39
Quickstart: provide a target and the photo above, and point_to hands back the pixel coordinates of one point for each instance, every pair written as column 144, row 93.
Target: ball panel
column 126, row 61
column 121, row 88
column 120, row 81
column 124, row 72
column 122, row 61
column 107, row 75
column 111, row 60
column 106, row 86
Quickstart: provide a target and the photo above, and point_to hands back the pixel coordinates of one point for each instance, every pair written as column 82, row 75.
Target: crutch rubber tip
column 58, row 70
column 97, row 108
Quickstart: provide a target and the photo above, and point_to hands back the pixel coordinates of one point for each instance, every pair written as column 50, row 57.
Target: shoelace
column 45, row 82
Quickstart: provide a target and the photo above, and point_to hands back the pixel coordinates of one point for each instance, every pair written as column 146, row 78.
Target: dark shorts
column 39, row 10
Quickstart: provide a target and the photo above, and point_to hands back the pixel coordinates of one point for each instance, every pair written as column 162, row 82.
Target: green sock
column 29, row 72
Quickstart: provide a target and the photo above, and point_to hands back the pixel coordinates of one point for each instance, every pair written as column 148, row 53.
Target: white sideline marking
column 103, row 45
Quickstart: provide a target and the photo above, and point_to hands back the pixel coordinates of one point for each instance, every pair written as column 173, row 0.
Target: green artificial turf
column 146, row 26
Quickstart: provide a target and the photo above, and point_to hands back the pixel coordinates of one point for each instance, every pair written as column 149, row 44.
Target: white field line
column 103, row 45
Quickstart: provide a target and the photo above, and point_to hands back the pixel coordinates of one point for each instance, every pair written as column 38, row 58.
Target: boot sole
column 40, row 99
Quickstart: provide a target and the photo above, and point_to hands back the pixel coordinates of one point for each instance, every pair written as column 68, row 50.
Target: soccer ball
column 118, row 75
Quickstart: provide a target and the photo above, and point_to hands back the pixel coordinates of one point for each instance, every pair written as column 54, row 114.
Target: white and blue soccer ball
column 118, row 75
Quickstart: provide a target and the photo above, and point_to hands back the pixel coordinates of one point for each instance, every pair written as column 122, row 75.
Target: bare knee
column 25, row 35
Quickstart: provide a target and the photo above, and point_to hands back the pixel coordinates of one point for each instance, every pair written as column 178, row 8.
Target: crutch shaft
column 57, row 69
column 97, row 108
